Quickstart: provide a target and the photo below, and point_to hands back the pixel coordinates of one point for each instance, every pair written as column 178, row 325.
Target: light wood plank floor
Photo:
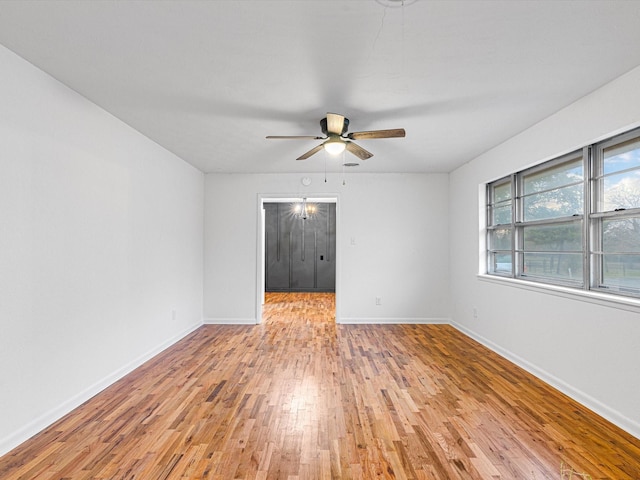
column 299, row 397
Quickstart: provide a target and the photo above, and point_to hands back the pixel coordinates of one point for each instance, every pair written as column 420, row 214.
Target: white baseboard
column 353, row 320
column 43, row 421
column 579, row 396
column 230, row 321
column 393, row 321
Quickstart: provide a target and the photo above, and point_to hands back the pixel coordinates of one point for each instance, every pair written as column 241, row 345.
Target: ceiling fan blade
column 335, row 123
column 392, row 133
column 314, row 150
column 358, row 151
column 295, row 137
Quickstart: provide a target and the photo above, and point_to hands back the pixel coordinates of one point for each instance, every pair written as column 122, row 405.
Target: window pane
column 500, row 239
column 621, row 271
column 553, row 238
column 562, row 202
column 556, row 176
column 621, row 235
column 561, row 266
column 501, row 263
column 622, row 156
column 501, row 214
column 620, row 191
column 502, row 192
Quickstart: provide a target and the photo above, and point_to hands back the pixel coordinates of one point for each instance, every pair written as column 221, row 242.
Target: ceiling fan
column 335, row 127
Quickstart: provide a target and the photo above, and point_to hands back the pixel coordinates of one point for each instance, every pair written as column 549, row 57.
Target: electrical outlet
column 378, row 300
column 475, row 312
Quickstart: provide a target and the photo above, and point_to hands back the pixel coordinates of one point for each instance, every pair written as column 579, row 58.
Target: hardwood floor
column 301, row 397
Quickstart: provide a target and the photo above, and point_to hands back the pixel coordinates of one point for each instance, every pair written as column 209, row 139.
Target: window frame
column 591, row 220
column 522, row 224
column 492, row 227
column 598, row 216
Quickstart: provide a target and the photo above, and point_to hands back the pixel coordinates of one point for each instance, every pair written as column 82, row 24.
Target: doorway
column 297, row 254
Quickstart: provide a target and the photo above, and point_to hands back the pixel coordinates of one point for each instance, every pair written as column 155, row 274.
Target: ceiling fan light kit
column 334, row 146
column 335, row 126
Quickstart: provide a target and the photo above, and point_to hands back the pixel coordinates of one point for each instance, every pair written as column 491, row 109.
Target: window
column 550, row 226
column 616, row 219
column 572, row 221
column 500, row 221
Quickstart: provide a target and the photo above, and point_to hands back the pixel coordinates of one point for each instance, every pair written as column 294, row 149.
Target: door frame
column 260, row 241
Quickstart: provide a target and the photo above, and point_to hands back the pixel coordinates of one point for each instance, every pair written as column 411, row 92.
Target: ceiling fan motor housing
column 323, row 125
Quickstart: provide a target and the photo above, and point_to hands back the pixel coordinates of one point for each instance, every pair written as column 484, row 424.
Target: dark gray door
column 300, row 254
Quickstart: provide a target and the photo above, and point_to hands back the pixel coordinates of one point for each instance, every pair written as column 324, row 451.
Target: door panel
column 276, row 250
column 299, row 254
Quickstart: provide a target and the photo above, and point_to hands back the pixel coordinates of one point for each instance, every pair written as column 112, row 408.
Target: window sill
column 607, row 300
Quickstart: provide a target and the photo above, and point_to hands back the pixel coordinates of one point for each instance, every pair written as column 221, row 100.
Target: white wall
column 589, row 350
column 398, row 223
column 100, row 242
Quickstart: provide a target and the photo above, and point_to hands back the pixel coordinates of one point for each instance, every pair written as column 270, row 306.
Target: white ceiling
column 208, row 80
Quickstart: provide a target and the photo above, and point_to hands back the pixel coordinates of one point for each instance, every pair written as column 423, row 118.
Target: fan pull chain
column 325, row 167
